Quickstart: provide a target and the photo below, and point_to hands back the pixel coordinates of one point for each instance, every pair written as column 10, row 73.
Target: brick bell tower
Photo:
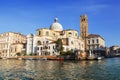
column 84, row 29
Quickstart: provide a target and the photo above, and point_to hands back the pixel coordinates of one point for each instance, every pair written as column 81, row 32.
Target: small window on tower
column 39, row 33
column 83, row 19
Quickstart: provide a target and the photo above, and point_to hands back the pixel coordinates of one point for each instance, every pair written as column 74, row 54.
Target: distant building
column 96, row 44
column 44, row 42
column 11, row 43
column 108, row 54
column 115, row 50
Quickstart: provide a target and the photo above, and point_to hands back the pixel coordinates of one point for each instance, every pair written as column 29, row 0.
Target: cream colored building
column 44, row 42
column 115, row 49
column 96, row 43
column 11, row 43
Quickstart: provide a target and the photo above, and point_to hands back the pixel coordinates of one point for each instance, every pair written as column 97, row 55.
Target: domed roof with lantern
column 56, row 26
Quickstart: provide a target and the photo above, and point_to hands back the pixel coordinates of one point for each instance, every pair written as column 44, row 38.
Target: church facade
column 44, row 41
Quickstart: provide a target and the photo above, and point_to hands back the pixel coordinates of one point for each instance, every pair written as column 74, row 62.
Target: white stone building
column 115, row 49
column 96, row 43
column 44, row 42
column 11, row 43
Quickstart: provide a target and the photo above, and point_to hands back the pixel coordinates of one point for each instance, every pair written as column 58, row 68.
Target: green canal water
column 107, row 69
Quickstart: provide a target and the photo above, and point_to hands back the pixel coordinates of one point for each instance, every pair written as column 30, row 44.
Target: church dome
column 56, row 26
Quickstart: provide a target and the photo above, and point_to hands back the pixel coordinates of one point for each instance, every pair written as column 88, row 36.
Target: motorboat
column 91, row 56
column 100, row 57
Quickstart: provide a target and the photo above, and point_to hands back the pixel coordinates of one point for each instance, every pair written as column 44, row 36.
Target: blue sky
column 26, row 16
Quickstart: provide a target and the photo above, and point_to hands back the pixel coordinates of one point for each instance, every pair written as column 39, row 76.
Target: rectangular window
column 11, row 50
column 97, row 41
column 93, row 41
column 37, row 48
column 46, row 42
column 76, row 34
column 43, row 42
column 39, row 32
column 53, row 34
column 88, row 41
column 47, row 33
column 15, row 49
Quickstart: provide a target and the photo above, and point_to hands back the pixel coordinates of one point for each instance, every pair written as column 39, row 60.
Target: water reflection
column 60, row 70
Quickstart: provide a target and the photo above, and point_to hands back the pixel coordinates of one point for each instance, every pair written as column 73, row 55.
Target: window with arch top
column 69, row 33
column 38, row 42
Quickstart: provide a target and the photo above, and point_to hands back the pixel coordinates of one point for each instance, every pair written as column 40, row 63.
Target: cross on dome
column 56, row 20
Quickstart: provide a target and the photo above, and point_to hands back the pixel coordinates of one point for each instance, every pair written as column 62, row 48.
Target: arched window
column 47, row 42
column 83, row 19
column 69, row 33
column 39, row 43
column 39, row 33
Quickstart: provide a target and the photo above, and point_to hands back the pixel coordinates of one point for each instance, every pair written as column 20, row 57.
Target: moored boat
column 100, row 57
column 91, row 56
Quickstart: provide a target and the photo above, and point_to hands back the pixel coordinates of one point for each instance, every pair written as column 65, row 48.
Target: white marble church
column 44, row 42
